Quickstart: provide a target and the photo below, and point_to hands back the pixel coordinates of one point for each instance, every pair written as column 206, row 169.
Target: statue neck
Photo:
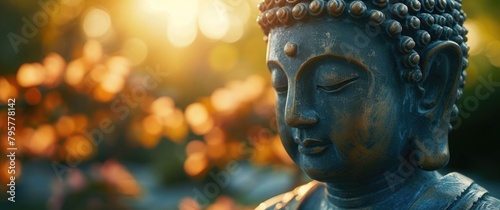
column 388, row 189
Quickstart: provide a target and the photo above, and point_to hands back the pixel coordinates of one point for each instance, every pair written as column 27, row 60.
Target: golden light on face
column 336, row 110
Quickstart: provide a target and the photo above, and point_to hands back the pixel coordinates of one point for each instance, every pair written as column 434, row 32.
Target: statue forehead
column 344, row 38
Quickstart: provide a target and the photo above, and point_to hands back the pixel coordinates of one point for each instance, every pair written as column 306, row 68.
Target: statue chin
column 365, row 93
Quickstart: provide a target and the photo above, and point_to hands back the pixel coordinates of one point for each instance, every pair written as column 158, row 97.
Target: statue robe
column 453, row 191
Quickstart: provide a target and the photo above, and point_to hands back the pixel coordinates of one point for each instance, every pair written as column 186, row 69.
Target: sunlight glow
column 135, row 50
column 213, row 20
column 223, row 57
column 96, row 23
column 474, row 37
column 181, row 35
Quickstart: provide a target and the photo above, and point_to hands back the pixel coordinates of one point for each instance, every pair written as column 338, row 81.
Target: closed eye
column 337, row 86
column 281, row 90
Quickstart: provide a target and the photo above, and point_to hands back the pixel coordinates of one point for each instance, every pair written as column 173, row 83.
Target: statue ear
column 441, row 65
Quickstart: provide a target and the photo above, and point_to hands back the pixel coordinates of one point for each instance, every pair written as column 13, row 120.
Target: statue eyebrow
column 349, row 60
column 271, row 64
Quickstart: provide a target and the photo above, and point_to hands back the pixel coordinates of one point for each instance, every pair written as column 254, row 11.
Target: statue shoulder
column 455, row 191
column 289, row 200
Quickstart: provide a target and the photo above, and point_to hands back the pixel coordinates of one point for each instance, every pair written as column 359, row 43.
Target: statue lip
column 312, row 146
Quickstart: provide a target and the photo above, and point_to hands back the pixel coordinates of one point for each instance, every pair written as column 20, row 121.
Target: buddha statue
column 365, row 92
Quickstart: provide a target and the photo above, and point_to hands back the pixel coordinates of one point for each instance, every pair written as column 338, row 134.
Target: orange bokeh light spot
column 196, row 114
column 79, row 146
column 4, row 166
column 223, row 100
column 163, row 106
column 52, row 100
column 6, row 90
column 98, row 72
column 195, row 146
column 120, row 177
column 215, row 137
column 65, row 126
column 54, row 65
column 43, row 137
column 195, row 164
column 112, row 83
column 118, row 66
column 152, row 125
column 33, row 96
column 81, row 122
column 102, row 95
column 92, row 51
column 216, row 151
column 148, row 140
column 75, row 72
column 30, row 74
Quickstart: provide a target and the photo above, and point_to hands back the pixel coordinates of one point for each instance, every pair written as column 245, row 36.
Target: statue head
column 360, row 84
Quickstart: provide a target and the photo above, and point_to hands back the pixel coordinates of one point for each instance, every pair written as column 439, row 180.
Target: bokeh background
column 163, row 104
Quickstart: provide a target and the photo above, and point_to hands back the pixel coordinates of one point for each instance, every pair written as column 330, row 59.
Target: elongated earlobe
column 441, row 65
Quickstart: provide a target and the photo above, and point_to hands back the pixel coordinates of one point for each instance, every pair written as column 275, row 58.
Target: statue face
column 341, row 107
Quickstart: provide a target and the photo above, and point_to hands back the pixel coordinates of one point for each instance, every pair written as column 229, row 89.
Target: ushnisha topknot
column 412, row 24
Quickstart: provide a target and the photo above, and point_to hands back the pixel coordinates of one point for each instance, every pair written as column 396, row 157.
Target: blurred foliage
column 178, row 88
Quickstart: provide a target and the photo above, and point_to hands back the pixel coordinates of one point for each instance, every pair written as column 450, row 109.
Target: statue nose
column 299, row 112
